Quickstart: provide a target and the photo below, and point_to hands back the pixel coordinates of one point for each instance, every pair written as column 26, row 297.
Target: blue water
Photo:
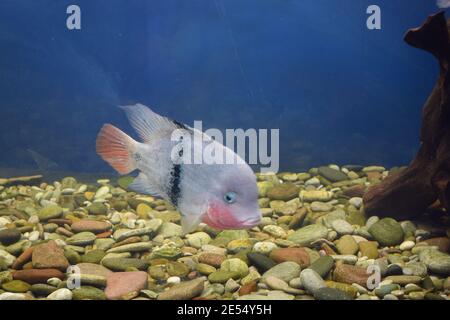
column 338, row 92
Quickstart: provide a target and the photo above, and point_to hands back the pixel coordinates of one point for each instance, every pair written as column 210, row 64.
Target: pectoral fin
column 189, row 223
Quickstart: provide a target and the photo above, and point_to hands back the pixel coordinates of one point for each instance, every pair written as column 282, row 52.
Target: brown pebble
column 23, row 258
column 248, row 288
column 33, row 276
column 129, row 240
column 106, row 234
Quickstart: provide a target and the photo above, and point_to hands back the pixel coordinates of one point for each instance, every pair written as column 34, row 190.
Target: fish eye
column 230, row 197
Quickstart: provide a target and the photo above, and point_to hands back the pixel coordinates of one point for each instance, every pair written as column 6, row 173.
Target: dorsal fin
column 147, row 122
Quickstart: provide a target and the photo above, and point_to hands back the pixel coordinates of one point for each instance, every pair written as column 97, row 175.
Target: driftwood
column 408, row 193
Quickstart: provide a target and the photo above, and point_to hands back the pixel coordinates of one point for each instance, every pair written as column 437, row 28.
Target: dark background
column 338, row 92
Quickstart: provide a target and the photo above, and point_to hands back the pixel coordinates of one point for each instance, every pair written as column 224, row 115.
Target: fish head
column 233, row 201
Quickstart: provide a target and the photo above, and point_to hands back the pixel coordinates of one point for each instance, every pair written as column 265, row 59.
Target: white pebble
column 407, row 245
column 356, row 201
column 34, row 219
column 33, row 236
column 60, row 294
column 12, row 296
column 173, row 280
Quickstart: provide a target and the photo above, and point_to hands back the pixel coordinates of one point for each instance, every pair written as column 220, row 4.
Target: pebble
column 9, row 236
column 298, row 255
column 307, row 235
column 311, row 280
column 60, row 294
column 387, row 232
column 326, row 293
column 342, row 227
column 407, row 245
column 285, row 271
column 261, row 261
column 120, row 284
column 184, row 291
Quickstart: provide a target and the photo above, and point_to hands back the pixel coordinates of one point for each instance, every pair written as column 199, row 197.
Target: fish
column 443, row 4
column 224, row 195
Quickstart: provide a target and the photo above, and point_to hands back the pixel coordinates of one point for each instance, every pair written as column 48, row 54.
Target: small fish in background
column 44, row 164
column 443, row 4
column 224, row 196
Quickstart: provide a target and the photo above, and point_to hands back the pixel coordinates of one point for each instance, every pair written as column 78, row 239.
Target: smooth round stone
column 184, row 291
column 88, row 292
column 416, row 295
column 326, row 293
column 386, row 289
column 322, row 265
column 93, row 256
column 173, row 280
column 264, row 247
column 275, row 231
column 42, row 289
column 436, row 261
column 81, row 239
column 60, row 294
column 222, row 276
column 9, row 236
column 394, row 270
column 403, row 280
column 263, row 187
column 415, row 269
column 387, row 232
column 16, row 286
column 407, row 245
column 12, row 296
column 132, row 247
column 235, row 265
column 331, row 174
column 122, row 264
column 235, row 246
column 285, row 271
column 97, row 208
column 91, row 226
column 278, row 284
column 205, row 269
column 284, row 191
column 50, row 212
column 347, row 245
column 390, row 297
column 342, row 227
column 369, row 249
column 170, row 229
column 311, row 280
column 307, row 235
column 198, row 239
column 260, row 261
column 315, row 182
column 356, row 201
column 150, row 229
column 177, row 269
column 317, row 206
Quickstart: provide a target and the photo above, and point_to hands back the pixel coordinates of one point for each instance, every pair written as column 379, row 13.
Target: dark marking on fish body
column 175, row 180
column 174, row 184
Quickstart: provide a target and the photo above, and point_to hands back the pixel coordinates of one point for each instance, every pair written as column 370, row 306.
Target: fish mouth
column 245, row 224
column 250, row 223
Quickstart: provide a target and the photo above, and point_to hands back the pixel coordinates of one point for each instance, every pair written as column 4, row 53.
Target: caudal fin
column 116, row 148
